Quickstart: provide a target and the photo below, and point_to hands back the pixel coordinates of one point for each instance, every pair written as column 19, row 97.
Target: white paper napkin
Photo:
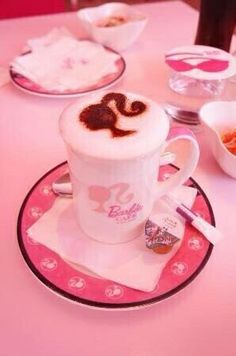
column 131, row 264
column 51, row 37
column 60, row 62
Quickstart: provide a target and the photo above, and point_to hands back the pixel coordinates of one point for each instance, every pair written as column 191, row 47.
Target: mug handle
column 177, row 179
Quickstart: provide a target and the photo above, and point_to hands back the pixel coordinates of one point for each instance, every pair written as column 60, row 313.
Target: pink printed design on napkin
column 76, row 284
column 68, row 63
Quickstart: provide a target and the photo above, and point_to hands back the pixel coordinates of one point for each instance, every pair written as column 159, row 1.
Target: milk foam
column 151, row 129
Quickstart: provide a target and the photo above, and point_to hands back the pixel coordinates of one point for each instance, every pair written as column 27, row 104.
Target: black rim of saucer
column 100, row 305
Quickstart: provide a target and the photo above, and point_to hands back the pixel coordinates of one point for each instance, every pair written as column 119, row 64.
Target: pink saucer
column 30, row 87
column 78, row 285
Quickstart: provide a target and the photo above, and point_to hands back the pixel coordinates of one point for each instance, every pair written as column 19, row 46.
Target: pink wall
column 19, row 8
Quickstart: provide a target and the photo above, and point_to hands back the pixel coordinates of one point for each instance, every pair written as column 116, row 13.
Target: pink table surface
column 201, row 320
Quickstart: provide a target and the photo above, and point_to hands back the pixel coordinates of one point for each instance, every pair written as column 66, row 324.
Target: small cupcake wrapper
column 158, row 236
column 150, row 228
column 161, row 237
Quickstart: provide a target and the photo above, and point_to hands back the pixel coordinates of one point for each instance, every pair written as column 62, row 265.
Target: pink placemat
column 78, row 285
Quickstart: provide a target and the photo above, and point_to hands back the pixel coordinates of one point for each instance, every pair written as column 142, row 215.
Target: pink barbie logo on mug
column 124, row 215
column 114, row 142
column 118, row 195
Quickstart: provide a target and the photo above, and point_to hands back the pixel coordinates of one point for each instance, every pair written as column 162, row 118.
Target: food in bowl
column 229, row 140
column 219, row 118
column 112, row 21
column 115, row 25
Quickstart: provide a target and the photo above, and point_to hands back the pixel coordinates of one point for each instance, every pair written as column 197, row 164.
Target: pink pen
column 210, row 232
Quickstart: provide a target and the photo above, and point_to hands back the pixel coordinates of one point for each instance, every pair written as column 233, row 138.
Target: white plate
column 30, row 87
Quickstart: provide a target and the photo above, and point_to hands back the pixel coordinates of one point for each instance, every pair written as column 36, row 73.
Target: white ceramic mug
column 114, row 167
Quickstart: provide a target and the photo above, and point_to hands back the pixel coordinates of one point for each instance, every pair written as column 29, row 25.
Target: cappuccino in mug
column 114, row 142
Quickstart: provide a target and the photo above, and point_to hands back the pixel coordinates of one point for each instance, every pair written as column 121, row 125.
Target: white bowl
column 117, row 37
column 219, row 117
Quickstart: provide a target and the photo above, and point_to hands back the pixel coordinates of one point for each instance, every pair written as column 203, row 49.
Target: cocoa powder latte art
column 113, row 125
column 101, row 116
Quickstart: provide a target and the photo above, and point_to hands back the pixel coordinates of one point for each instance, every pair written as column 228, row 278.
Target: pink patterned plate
column 78, row 285
column 33, row 88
